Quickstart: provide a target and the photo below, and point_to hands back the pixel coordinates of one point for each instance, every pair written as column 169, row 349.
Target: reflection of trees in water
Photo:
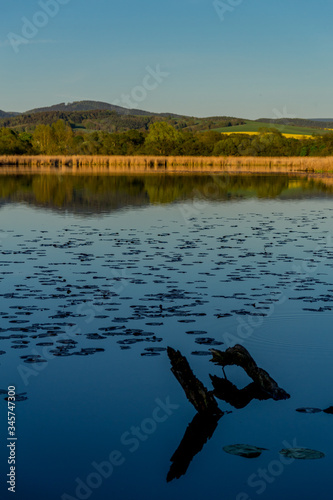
column 103, row 192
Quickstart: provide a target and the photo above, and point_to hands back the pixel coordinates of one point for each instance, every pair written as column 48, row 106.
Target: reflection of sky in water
column 247, row 260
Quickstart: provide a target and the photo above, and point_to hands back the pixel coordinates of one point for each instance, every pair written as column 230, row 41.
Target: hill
column 115, row 119
column 328, row 120
column 89, row 116
column 255, row 126
column 88, row 106
column 4, row 114
column 297, row 122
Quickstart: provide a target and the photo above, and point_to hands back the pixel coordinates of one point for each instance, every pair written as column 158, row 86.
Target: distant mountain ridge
column 299, row 122
column 7, row 114
column 94, row 106
column 89, row 116
column 101, row 116
column 322, row 119
column 87, row 105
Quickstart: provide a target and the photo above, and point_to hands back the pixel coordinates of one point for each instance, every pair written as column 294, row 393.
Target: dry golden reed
column 167, row 164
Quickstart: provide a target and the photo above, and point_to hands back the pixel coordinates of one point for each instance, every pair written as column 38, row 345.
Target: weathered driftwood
column 239, row 356
column 198, row 432
column 202, row 399
column 238, row 398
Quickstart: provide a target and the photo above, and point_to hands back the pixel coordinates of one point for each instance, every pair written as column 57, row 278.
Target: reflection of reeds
column 142, row 164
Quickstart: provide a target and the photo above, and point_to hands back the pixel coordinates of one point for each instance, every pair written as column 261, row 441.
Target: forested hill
column 4, row 114
column 89, row 106
column 91, row 116
column 299, row 122
column 328, row 120
column 112, row 121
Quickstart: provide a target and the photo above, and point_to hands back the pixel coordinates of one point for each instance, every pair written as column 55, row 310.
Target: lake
column 100, row 274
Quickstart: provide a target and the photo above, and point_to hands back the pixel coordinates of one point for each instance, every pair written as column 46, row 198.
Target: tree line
column 112, row 121
column 103, row 192
column 160, row 139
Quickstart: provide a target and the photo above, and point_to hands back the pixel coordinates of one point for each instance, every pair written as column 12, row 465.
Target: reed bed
column 168, row 164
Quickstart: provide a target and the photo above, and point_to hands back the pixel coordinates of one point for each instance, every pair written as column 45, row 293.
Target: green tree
column 11, row 143
column 42, row 139
column 54, row 139
column 62, row 136
column 162, row 139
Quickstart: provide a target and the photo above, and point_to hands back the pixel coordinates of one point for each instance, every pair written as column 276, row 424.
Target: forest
column 112, row 120
column 161, row 138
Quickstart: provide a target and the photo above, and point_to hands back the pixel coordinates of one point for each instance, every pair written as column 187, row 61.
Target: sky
column 242, row 58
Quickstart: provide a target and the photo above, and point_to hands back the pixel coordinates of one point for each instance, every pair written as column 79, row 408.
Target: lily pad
column 309, row 410
column 302, row 453
column 244, row 450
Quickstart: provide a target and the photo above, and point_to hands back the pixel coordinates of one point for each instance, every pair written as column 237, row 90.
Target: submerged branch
column 239, row 356
column 202, row 399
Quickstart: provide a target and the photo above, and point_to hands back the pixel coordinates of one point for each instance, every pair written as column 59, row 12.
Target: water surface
column 100, row 274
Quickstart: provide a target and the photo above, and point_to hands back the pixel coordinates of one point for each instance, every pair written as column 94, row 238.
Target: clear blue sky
column 264, row 59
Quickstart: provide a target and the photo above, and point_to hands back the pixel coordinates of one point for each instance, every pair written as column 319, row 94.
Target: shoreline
column 164, row 164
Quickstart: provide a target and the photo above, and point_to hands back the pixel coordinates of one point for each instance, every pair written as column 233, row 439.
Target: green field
column 252, row 126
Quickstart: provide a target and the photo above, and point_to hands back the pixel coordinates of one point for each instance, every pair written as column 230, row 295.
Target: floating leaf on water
column 207, row 341
column 61, row 353
column 33, row 358
column 244, row 450
column 69, row 342
column 86, row 351
column 308, row 410
column 196, row 332
column 302, row 453
column 201, row 353
column 19, row 397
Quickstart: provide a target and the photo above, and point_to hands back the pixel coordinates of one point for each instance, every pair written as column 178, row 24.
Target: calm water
column 100, row 274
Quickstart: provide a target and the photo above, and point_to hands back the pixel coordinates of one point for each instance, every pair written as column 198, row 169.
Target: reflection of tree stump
column 238, row 398
column 198, row 432
column 239, row 356
column 202, row 399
